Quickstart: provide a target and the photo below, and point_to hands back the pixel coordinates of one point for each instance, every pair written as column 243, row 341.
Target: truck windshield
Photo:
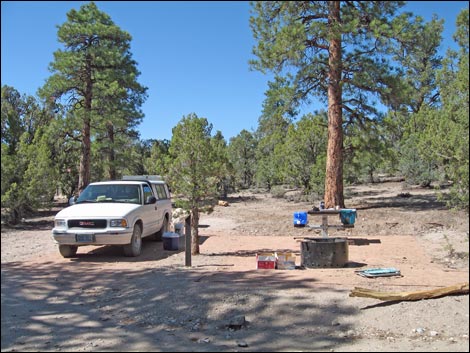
column 111, row 193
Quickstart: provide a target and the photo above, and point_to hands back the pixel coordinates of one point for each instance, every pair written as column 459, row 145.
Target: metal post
column 324, row 226
column 187, row 234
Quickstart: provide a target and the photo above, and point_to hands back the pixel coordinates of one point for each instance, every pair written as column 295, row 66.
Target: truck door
column 152, row 217
column 163, row 200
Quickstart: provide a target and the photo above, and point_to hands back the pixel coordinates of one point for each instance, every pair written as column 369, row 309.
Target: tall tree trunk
column 111, row 154
column 84, row 172
column 334, row 161
column 195, row 231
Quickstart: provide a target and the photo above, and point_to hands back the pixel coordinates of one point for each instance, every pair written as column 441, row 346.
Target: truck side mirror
column 151, row 199
column 72, row 200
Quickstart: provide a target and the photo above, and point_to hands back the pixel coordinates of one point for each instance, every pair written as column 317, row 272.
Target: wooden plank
column 461, row 288
column 324, row 212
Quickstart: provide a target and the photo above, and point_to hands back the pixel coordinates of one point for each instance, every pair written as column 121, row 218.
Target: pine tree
column 337, row 52
column 242, row 150
column 193, row 172
column 447, row 135
column 28, row 174
column 304, row 151
column 274, row 123
column 95, row 77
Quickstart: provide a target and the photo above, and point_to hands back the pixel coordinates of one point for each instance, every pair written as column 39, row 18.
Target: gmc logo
column 84, row 223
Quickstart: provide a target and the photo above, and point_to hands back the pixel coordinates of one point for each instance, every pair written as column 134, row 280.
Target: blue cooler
column 300, row 219
column 347, row 216
column 173, row 241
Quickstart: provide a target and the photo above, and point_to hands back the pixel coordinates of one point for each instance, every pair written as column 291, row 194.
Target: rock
column 241, row 343
column 420, row 330
column 236, row 322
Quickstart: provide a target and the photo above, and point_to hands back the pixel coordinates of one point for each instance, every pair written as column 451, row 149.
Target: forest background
column 82, row 126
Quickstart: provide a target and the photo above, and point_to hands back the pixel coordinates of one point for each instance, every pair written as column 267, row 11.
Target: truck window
column 147, row 192
column 161, row 192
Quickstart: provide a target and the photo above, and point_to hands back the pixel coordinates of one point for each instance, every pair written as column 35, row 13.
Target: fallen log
column 461, row 288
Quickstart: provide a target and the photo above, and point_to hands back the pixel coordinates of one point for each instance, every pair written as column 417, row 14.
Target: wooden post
column 187, row 234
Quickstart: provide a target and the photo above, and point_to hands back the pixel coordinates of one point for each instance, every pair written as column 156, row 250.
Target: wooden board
column 461, row 288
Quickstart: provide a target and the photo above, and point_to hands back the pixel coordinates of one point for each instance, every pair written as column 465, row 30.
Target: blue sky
column 193, row 56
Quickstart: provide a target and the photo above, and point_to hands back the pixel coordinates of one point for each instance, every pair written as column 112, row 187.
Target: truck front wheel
column 68, row 250
column 135, row 247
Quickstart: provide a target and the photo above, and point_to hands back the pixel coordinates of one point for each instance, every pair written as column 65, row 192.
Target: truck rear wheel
column 158, row 235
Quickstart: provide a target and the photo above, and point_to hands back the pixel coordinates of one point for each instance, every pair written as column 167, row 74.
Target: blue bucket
column 300, row 219
column 347, row 216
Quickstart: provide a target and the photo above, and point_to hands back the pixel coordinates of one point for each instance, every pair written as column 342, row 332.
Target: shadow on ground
column 83, row 306
column 412, row 202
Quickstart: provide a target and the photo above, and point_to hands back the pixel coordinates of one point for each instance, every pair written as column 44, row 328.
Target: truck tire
column 68, row 250
column 158, row 235
column 135, row 247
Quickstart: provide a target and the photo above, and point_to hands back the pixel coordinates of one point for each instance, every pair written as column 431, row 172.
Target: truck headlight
column 121, row 223
column 60, row 223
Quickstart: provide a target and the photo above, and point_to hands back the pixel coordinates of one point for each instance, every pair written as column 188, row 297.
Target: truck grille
column 87, row 223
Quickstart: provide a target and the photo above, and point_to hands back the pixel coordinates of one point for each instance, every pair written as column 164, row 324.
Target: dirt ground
column 103, row 301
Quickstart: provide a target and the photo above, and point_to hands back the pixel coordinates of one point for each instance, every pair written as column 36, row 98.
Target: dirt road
column 102, row 301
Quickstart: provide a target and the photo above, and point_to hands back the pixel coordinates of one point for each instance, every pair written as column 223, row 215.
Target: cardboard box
column 266, row 261
column 285, row 261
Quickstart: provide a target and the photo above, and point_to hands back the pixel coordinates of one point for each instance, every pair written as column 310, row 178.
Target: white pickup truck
column 118, row 212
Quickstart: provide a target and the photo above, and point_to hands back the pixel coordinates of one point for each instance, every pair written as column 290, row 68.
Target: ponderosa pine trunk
column 84, row 172
column 334, row 161
column 112, row 175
